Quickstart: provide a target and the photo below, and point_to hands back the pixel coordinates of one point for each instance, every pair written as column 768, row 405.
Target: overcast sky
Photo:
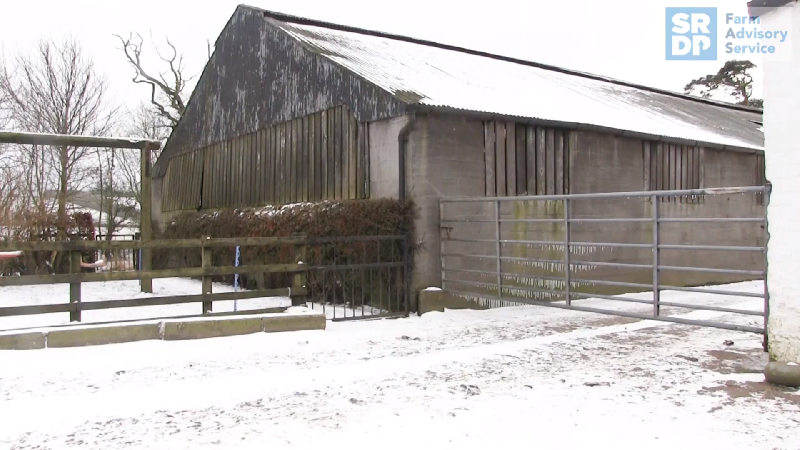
column 618, row 38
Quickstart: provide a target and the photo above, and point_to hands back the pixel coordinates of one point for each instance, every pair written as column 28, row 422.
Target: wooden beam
column 63, row 140
column 189, row 272
column 146, row 218
column 29, row 310
column 66, row 246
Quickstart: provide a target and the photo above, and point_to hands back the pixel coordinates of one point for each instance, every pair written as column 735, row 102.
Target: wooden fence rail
column 298, row 291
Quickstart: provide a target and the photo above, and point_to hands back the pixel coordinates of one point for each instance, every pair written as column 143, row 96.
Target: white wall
column 782, row 134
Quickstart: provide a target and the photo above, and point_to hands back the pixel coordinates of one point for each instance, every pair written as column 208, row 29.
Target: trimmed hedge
column 329, row 219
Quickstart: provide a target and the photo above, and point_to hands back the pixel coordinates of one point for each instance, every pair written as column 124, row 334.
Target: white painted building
column 782, row 143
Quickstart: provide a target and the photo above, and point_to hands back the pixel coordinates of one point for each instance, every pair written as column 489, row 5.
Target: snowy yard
column 508, row 378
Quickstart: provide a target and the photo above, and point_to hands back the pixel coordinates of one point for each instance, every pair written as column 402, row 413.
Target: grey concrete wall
column 384, row 162
column 444, row 158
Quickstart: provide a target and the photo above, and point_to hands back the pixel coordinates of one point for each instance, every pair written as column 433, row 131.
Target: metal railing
column 480, row 286
column 360, row 277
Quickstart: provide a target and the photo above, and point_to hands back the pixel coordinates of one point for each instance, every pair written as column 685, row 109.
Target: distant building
column 781, row 120
column 124, row 209
column 290, row 110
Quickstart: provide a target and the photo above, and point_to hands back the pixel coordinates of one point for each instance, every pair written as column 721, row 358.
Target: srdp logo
column 692, row 34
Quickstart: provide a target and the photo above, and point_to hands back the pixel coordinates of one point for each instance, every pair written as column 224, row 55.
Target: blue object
column 236, row 278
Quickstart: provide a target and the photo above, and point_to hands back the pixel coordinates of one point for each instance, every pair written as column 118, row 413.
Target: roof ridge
column 288, row 18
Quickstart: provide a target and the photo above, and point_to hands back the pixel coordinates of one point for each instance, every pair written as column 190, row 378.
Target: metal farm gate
column 562, row 250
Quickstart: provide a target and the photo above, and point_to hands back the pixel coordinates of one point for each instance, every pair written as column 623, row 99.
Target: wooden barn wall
column 322, row 156
column 673, row 167
column 525, row 159
column 257, row 77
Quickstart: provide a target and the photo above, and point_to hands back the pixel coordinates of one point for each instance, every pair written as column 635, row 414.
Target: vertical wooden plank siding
column 541, row 149
column 312, row 135
column 319, row 120
column 233, row 172
column 571, row 145
column 325, row 155
column 291, row 161
column 264, row 176
column 244, row 184
column 679, row 167
column 701, row 182
column 212, row 176
column 345, row 176
column 337, row 151
column 500, row 154
column 321, row 156
column 304, row 169
column 511, row 159
column 490, row 157
column 647, row 171
column 360, row 166
column 353, row 145
column 530, row 157
column 522, row 163
column 252, row 189
column 550, row 162
column 270, row 176
column 559, row 160
column 279, row 168
column 367, row 187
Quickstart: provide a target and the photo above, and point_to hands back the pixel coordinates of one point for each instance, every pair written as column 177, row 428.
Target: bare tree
column 168, row 88
column 144, row 121
column 111, row 205
column 56, row 89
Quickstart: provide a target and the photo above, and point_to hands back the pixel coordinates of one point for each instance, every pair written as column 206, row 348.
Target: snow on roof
column 446, row 77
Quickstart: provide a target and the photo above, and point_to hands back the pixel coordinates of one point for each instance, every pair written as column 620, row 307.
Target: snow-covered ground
column 522, row 377
column 120, row 290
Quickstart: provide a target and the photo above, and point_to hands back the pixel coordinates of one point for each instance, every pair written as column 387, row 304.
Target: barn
column 290, row 110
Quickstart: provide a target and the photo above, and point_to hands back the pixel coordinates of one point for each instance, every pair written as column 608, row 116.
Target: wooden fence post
column 300, row 279
column 75, row 288
column 146, row 218
column 207, row 262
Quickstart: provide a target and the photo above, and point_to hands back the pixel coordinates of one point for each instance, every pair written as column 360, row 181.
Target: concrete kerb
column 22, row 341
column 783, row 374
column 168, row 330
column 103, row 334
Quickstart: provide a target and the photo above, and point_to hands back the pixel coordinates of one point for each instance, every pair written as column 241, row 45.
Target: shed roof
column 446, row 77
column 758, row 8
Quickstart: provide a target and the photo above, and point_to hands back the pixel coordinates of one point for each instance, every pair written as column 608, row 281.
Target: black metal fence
column 359, row 277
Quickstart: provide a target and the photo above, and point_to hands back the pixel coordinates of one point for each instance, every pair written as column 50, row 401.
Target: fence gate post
column 567, row 282
column 207, row 304
column 75, row 259
column 656, row 258
column 499, row 249
column 300, row 279
column 145, row 219
column 767, row 192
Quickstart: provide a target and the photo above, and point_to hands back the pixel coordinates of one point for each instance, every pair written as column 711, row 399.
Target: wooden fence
column 297, row 291
column 352, row 277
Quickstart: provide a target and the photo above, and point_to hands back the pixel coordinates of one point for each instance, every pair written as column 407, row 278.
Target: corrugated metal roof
column 419, row 72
